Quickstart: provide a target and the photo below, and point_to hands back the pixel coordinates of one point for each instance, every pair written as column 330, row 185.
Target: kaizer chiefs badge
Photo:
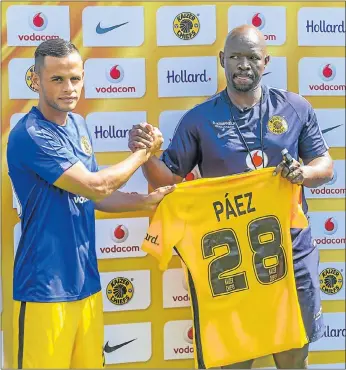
column 277, row 125
column 331, row 281
column 186, row 25
column 85, row 144
column 119, row 291
column 28, row 78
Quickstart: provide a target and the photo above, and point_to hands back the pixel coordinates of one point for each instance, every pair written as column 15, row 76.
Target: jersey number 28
column 268, row 256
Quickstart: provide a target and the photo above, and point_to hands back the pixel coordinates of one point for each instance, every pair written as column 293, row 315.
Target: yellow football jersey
column 233, row 235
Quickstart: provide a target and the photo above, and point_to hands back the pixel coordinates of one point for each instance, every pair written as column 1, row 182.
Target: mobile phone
column 287, row 157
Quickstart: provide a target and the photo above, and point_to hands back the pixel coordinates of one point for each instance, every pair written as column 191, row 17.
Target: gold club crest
column 85, row 144
column 186, row 25
column 28, row 78
column 119, row 291
column 277, row 125
column 331, row 281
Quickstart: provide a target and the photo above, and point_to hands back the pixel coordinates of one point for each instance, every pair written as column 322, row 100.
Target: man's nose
column 68, row 86
column 244, row 64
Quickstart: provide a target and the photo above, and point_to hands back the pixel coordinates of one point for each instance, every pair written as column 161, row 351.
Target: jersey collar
column 39, row 115
column 227, row 100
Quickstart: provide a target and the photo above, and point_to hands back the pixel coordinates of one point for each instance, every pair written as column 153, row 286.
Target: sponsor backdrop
column 153, row 61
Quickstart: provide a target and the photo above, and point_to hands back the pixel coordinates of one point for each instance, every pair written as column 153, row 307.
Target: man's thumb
column 168, row 189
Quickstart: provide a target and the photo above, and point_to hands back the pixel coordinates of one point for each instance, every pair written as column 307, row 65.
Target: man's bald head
column 244, row 58
column 246, row 33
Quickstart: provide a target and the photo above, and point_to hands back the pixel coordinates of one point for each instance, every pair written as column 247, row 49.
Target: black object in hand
column 287, row 157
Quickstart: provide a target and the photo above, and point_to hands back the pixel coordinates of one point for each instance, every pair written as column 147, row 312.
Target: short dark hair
column 58, row 48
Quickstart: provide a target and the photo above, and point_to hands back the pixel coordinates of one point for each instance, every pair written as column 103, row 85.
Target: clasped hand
column 145, row 136
column 293, row 173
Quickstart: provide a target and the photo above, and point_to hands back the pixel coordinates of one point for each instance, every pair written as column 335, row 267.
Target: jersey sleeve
column 311, row 142
column 45, row 154
column 165, row 232
column 181, row 156
column 298, row 218
column 95, row 166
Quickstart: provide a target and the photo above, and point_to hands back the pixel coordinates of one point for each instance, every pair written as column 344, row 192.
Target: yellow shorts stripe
column 58, row 335
column 21, row 320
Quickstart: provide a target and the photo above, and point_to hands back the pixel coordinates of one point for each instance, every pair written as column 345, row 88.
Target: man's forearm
column 124, row 202
column 158, row 174
column 318, row 172
column 117, row 175
column 97, row 186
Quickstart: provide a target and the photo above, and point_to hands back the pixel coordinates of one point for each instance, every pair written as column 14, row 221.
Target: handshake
column 145, row 136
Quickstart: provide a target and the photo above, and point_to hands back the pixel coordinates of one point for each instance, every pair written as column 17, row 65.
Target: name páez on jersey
column 184, row 77
column 240, row 205
column 110, row 132
column 324, row 27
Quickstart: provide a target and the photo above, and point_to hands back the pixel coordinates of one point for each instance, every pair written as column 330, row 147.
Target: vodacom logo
column 115, row 74
column 38, row 22
column 258, row 21
column 330, row 226
column 120, row 233
column 188, row 334
column 190, row 176
column 330, row 79
column 258, row 160
column 327, row 72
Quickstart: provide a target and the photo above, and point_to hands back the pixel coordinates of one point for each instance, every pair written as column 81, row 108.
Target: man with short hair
column 58, row 314
column 244, row 128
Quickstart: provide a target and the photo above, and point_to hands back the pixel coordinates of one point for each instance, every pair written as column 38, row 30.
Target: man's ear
column 266, row 60
column 35, row 78
column 222, row 59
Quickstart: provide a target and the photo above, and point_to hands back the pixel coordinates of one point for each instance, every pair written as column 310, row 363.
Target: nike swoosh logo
column 228, row 132
column 109, row 349
column 330, row 129
column 267, row 73
column 100, row 30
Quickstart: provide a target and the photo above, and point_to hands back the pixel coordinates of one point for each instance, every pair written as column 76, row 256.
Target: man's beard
column 245, row 88
column 58, row 107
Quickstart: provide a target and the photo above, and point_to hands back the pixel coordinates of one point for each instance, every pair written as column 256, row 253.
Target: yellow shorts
column 58, row 335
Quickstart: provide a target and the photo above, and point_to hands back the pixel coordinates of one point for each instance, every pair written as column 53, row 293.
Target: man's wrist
column 306, row 172
column 143, row 155
column 147, row 203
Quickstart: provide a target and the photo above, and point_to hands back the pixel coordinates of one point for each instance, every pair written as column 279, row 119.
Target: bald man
column 244, row 128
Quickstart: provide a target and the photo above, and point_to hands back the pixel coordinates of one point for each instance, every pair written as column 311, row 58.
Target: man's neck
column 245, row 100
column 52, row 115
